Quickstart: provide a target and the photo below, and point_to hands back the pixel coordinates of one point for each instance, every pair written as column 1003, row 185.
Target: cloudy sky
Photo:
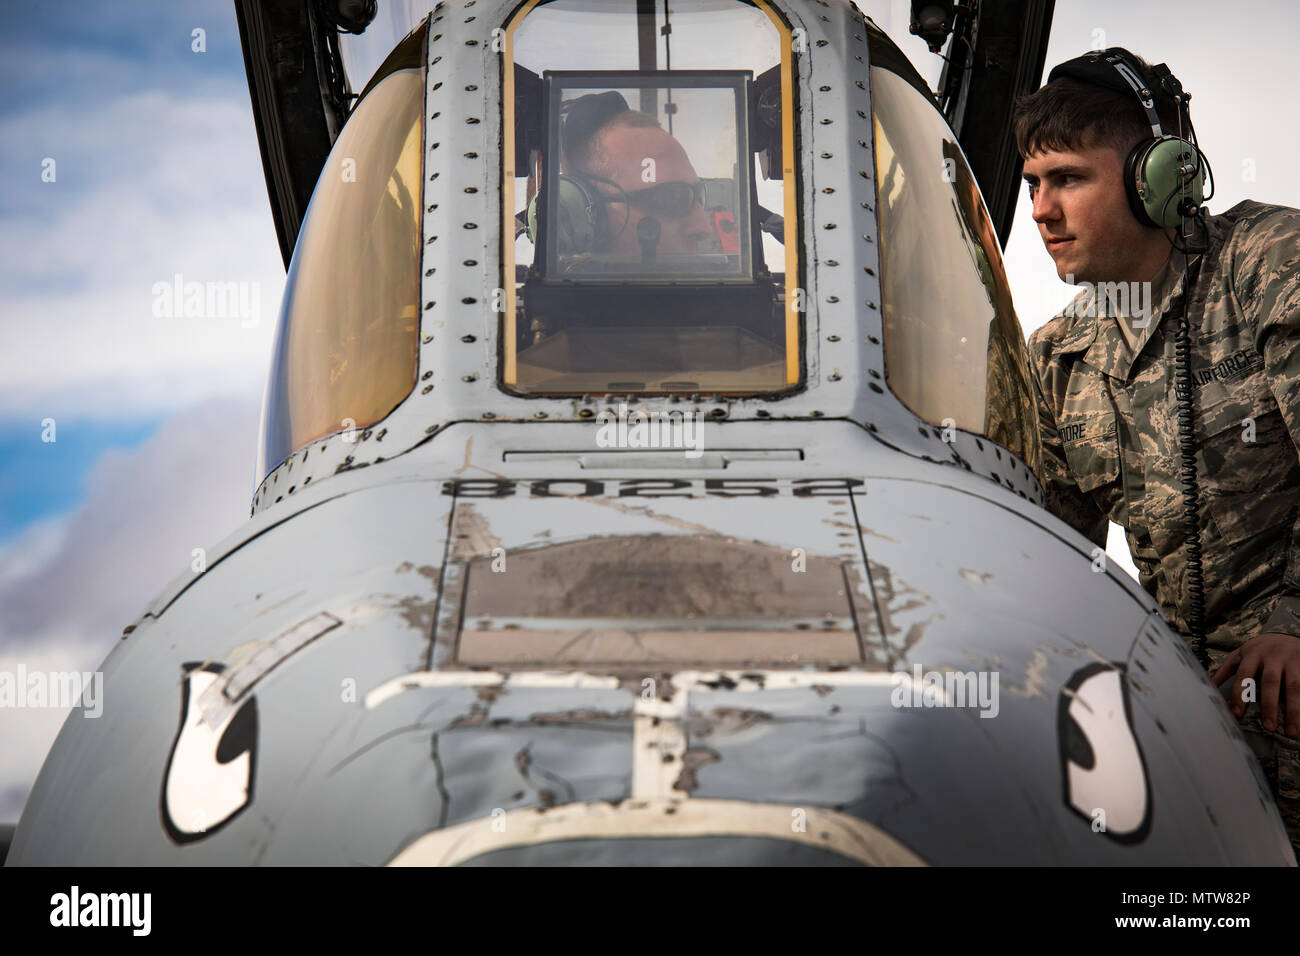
column 155, row 173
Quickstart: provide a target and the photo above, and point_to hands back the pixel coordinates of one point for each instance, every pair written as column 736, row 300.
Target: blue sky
column 158, row 173
column 40, row 479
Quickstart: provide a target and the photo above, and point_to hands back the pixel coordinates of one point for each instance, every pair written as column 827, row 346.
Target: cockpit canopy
column 651, row 222
column 346, row 346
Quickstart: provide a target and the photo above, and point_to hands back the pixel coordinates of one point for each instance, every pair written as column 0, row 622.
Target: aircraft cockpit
column 645, row 201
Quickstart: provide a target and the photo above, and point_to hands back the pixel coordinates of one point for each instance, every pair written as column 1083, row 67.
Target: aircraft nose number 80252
column 653, row 488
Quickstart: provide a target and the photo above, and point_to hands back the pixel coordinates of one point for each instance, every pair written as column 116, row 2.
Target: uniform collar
column 1109, row 352
column 1096, row 334
column 1166, row 297
column 1084, row 330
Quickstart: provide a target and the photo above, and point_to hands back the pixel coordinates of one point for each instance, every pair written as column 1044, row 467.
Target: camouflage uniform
column 1109, row 424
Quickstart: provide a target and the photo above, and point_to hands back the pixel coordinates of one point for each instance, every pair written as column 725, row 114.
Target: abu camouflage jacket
column 1109, row 424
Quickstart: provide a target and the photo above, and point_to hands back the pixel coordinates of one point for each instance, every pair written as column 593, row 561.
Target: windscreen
column 650, row 193
column 647, row 194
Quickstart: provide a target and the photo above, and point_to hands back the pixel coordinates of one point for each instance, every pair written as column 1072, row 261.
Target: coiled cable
column 1187, row 473
column 1184, row 396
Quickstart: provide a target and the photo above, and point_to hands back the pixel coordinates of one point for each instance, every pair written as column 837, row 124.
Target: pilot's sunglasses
column 673, row 200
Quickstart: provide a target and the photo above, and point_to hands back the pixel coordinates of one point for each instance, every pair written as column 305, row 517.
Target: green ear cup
column 1157, row 180
column 575, row 219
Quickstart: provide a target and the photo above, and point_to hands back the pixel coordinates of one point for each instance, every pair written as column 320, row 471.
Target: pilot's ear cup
column 1154, row 182
column 575, row 218
column 1132, row 188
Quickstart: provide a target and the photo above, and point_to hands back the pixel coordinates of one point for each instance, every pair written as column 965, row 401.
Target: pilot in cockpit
column 640, row 193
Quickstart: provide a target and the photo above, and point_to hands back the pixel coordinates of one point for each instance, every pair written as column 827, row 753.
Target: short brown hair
column 591, row 156
column 1068, row 114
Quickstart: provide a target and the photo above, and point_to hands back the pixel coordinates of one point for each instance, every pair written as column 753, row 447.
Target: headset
column 581, row 225
column 1159, row 170
column 1163, row 167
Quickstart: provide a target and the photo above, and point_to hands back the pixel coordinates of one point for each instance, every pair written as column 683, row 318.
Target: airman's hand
column 1273, row 660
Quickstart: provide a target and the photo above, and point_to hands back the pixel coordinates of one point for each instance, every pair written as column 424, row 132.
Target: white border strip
column 810, row 826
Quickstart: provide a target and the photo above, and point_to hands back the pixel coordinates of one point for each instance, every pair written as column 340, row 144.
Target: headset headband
column 585, row 115
column 1116, row 69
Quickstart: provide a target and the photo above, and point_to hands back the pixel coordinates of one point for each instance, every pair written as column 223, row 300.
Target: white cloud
column 150, row 185
column 181, row 152
column 28, row 733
